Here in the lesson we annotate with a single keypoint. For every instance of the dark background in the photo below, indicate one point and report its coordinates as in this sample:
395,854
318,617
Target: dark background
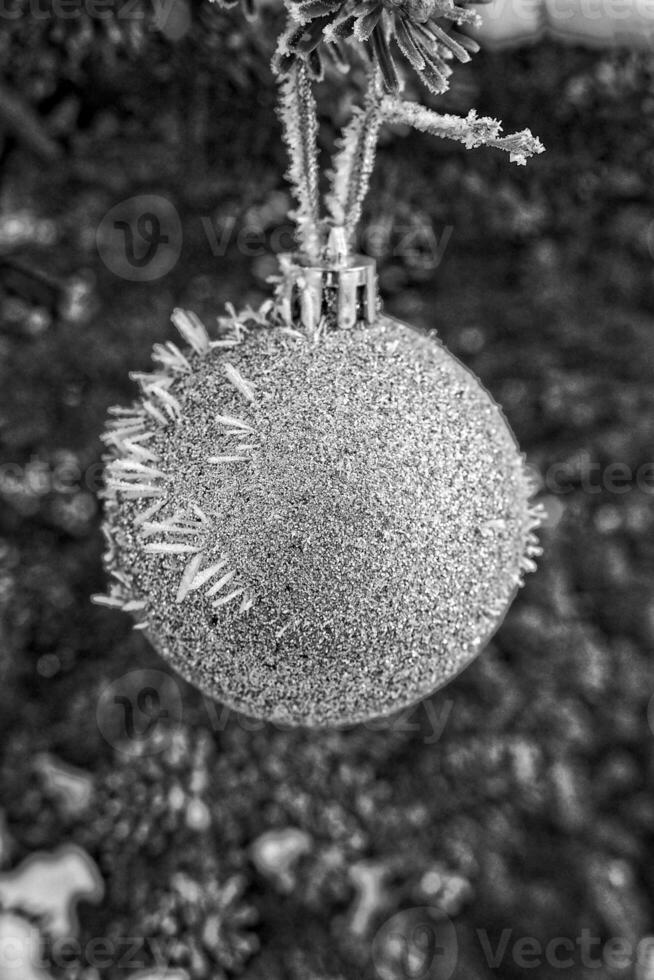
520,797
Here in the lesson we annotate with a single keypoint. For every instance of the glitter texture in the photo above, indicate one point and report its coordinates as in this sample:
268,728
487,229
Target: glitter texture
318,531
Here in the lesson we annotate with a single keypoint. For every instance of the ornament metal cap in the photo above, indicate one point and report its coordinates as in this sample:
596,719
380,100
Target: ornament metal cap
341,290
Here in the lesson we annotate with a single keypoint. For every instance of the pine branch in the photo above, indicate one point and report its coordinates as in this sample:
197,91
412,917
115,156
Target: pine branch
354,161
297,110
472,131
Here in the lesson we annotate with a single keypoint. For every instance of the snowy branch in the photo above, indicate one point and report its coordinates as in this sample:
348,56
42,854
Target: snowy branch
471,130
354,161
297,110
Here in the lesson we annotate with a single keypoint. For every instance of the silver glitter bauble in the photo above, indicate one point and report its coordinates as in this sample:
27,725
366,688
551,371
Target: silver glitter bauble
315,529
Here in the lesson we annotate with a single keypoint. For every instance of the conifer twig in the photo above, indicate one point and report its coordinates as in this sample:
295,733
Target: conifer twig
354,161
297,110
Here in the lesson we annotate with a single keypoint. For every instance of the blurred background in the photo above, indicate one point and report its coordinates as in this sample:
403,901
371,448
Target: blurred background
505,825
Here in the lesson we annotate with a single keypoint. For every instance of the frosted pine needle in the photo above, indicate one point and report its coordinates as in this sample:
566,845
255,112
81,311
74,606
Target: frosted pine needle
292,332
147,380
184,517
166,527
221,583
192,330
227,459
227,598
138,493
190,524
167,548
128,421
113,437
169,402
229,420
107,600
190,572
147,514
133,466
132,490
240,383
171,358
207,574
142,437
154,413
120,431
134,449
134,605
121,411
180,360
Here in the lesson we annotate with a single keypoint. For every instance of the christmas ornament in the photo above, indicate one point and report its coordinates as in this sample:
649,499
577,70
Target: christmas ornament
320,516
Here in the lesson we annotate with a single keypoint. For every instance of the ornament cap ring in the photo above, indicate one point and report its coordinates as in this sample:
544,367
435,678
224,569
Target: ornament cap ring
339,291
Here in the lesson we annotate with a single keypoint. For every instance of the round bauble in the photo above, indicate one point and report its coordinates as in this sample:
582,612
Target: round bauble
315,529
